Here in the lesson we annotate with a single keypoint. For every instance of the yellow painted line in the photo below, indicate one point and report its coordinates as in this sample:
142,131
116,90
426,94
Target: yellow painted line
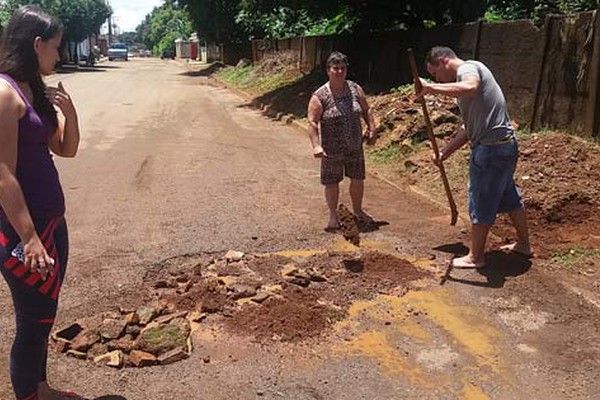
343,245
411,329
376,346
384,247
472,392
464,324
299,253
374,324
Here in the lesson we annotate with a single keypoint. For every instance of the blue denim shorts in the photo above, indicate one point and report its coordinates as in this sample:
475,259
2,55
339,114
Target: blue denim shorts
492,188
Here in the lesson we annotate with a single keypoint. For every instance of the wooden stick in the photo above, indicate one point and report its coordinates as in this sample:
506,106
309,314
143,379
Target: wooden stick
418,88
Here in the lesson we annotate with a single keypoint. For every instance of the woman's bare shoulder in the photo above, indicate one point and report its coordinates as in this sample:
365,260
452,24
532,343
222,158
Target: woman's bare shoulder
9,98
7,92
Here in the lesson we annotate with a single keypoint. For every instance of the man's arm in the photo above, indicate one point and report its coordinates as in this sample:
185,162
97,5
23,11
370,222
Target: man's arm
466,88
456,143
315,111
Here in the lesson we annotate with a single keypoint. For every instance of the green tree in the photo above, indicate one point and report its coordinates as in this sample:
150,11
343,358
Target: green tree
535,9
163,26
80,17
129,38
214,20
230,20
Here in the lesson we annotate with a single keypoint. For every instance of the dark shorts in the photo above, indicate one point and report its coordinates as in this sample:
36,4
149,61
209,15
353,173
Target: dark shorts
492,189
334,168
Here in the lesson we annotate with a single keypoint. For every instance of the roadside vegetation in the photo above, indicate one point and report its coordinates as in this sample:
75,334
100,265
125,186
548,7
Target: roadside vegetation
163,26
80,17
234,21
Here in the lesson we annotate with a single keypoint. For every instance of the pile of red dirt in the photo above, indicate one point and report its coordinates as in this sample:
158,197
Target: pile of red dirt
560,180
293,316
275,297
299,312
364,276
399,116
277,62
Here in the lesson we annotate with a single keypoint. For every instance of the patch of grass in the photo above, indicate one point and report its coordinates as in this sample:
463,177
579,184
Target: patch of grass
274,82
385,155
247,78
403,89
542,131
235,76
161,339
576,256
393,153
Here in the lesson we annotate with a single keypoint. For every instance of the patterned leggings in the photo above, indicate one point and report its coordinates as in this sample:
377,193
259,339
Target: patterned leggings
35,302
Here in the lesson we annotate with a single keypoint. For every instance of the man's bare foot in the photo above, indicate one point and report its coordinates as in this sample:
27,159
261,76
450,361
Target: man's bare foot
47,393
518,248
467,262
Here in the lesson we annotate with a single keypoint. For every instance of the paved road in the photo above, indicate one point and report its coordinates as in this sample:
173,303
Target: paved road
171,164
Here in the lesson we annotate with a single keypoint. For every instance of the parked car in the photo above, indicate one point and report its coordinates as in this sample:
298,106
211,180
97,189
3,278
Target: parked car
118,50
167,54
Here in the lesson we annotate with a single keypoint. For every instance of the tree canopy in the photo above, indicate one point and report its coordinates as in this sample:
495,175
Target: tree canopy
535,9
231,21
80,17
163,26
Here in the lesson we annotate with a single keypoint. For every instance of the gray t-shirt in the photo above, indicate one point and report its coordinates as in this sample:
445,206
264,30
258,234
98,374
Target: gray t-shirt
485,115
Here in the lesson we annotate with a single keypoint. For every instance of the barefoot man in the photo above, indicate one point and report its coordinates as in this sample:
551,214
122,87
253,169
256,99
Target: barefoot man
494,149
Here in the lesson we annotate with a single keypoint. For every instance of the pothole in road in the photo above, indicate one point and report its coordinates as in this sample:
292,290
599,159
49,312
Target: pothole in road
265,297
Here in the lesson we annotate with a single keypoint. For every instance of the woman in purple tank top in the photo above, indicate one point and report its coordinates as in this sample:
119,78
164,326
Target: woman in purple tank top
33,232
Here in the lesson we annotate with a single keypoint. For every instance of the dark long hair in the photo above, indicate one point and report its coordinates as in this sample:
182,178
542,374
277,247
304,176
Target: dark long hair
18,58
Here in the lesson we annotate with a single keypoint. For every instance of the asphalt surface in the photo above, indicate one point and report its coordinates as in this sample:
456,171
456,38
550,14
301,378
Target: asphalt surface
172,164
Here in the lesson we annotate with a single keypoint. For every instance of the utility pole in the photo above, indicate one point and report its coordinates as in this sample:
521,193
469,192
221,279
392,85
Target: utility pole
110,33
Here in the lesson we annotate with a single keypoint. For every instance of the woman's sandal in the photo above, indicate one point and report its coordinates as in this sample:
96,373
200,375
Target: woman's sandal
365,220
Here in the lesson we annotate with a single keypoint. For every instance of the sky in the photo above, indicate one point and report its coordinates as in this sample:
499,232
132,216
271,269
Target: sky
129,13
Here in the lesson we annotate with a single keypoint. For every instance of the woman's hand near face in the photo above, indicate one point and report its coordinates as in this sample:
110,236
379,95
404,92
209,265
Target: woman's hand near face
65,141
59,97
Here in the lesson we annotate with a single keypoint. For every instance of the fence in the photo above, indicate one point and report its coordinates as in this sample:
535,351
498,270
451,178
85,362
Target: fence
550,75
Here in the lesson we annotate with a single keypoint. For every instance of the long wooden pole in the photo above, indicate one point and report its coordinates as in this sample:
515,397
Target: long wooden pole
434,146
593,114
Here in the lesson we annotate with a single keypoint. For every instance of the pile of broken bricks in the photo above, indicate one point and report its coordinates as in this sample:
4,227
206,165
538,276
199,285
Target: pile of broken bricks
150,335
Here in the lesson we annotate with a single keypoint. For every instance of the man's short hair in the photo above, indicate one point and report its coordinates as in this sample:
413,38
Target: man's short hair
336,58
437,52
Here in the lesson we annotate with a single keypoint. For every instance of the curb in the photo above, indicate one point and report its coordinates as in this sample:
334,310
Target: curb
266,109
